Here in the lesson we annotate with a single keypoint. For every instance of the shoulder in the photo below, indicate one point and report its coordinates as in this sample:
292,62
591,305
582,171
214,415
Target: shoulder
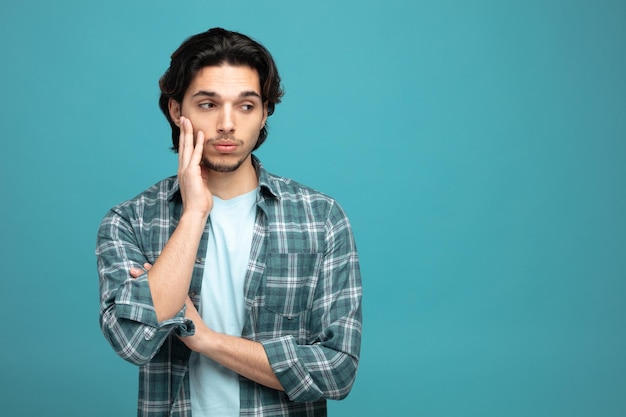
291,190
300,202
302,219
150,201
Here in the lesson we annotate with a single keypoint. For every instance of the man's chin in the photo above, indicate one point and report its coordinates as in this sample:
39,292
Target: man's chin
222,166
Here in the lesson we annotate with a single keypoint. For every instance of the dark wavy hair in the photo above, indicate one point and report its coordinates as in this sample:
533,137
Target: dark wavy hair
216,47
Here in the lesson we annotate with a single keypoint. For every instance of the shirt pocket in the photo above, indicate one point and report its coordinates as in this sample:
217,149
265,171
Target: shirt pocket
290,282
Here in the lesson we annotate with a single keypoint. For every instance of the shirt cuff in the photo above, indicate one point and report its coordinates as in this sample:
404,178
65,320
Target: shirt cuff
290,370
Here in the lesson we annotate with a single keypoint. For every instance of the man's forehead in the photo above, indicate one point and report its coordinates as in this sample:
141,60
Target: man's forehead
226,77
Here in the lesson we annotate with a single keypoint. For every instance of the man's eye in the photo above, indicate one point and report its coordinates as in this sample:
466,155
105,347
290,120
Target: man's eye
207,105
247,107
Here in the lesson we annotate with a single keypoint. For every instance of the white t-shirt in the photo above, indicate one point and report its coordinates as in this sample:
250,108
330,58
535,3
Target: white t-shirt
215,389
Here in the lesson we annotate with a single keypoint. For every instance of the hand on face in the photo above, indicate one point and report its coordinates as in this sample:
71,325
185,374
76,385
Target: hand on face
197,197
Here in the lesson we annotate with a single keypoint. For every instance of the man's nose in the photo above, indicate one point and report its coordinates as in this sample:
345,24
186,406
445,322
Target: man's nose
226,123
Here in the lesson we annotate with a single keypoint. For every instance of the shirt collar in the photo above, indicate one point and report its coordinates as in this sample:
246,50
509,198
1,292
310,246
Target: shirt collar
266,185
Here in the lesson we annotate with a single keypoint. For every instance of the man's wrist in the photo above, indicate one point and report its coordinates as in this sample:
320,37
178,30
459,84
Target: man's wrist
194,216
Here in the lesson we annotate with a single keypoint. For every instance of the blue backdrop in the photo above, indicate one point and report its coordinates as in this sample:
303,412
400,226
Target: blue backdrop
479,148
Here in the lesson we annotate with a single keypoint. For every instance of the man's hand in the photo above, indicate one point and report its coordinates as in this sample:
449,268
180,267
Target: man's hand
197,197
196,341
136,272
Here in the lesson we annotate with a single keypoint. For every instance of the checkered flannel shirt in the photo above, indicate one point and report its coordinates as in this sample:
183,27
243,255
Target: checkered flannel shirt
302,299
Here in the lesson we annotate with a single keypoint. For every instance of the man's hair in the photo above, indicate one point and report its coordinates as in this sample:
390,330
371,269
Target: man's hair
216,47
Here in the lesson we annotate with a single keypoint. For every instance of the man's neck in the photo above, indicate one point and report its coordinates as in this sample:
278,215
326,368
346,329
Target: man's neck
227,185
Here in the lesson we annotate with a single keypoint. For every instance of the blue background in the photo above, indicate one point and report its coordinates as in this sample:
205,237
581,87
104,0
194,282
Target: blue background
479,148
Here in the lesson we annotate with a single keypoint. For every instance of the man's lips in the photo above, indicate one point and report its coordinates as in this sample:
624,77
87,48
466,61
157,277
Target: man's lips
225,147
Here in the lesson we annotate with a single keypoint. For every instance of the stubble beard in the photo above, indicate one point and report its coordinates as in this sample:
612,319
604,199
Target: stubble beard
223,166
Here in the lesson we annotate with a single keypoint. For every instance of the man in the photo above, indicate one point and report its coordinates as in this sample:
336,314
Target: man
237,292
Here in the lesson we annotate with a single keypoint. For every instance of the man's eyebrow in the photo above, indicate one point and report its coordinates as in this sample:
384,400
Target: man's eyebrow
249,94
243,94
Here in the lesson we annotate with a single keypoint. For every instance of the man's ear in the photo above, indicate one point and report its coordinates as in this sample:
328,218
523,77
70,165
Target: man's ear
174,109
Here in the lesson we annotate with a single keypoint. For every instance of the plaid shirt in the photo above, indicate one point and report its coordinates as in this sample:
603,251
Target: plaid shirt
302,299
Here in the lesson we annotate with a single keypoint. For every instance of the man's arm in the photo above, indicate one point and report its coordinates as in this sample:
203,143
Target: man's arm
240,355
243,356
136,316
170,276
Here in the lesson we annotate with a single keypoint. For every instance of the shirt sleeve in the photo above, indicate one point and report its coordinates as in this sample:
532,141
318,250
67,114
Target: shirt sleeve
127,316
326,368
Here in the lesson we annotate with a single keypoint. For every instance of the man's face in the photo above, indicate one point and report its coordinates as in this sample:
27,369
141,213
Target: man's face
224,102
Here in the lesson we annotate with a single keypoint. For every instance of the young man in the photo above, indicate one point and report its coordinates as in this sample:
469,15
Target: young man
237,292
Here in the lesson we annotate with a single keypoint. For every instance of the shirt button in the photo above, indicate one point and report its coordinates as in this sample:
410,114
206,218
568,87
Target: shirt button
199,260
192,293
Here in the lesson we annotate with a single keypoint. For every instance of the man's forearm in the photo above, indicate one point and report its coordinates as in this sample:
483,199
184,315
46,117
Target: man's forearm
243,356
170,276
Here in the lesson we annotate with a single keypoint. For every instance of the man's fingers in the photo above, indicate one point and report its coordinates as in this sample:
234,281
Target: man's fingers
185,142
193,187
181,136
191,153
197,151
137,272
